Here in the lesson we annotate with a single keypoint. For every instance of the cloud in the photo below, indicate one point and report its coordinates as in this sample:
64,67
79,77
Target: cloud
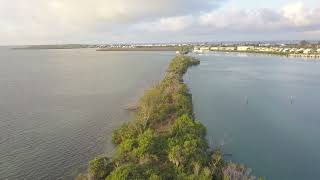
292,21
77,21
170,24
299,15
292,17
47,20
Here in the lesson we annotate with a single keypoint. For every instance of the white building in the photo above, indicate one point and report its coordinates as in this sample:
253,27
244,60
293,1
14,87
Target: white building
204,49
215,48
245,48
286,50
230,48
301,50
196,49
201,49
307,51
264,49
293,50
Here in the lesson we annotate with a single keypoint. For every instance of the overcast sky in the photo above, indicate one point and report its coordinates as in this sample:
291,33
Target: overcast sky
136,21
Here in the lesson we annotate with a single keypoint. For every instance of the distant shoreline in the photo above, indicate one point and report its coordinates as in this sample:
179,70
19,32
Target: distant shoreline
27,48
140,49
309,56
63,46
97,49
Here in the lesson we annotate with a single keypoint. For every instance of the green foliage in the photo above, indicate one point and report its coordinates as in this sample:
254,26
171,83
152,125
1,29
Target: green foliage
146,144
127,146
153,107
128,171
137,171
236,171
217,164
182,102
187,143
100,168
126,131
184,49
163,141
187,126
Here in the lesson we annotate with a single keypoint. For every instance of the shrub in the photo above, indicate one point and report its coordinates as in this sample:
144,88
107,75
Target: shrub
164,141
100,168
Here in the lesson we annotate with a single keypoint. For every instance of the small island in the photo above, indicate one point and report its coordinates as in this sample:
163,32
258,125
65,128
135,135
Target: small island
164,141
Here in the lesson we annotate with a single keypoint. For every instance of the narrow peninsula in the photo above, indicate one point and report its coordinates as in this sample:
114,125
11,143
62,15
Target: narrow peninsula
164,141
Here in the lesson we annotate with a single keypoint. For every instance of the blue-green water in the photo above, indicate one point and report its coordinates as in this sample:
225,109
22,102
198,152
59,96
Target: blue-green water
58,107
264,110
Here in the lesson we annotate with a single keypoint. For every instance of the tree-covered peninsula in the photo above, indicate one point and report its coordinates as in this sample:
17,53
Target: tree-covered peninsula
164,141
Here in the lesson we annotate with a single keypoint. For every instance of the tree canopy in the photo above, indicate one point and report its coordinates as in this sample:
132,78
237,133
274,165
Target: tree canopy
164,141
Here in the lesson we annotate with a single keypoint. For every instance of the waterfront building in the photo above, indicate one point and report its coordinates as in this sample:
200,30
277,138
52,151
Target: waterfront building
245,48
196,49
215,48
204,49
230,48
293,50
286,50
300,50
307,51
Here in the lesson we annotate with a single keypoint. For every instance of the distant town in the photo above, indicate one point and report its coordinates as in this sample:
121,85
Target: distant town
303,49
295,49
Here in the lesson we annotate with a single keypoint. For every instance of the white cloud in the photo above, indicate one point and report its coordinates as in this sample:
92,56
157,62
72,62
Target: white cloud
293,21
73,21
48,20
170,24
299,15
292,17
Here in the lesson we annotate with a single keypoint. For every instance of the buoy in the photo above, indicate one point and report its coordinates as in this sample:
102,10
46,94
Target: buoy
291,99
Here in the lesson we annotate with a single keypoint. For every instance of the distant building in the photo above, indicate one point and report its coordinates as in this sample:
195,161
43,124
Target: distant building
300,50
230,48
245,48
215,48
196,49
286,50
293,50
263,49
307,51
204,49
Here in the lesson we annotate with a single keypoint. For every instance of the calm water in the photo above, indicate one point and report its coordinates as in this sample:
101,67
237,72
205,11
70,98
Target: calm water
265,110
59,107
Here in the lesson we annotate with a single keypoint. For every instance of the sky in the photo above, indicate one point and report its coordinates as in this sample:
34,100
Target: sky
150,21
